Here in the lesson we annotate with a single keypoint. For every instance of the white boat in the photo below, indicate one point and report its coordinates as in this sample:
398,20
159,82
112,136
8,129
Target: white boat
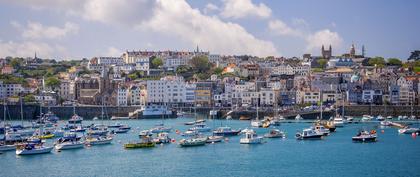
30,149
69,141
200,128
413,117
162,138
408,130
366,118
298,117
250,137
199,141
157,111
321,130
400,117
256,123
160,129
4,147
386,123
380,118
389,117
308,134
145,133
275,133
75,119
98,140
365,136
214,139
338,121
349,119
119,118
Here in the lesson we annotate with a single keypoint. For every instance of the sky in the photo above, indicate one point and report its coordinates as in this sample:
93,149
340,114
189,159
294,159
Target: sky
75,29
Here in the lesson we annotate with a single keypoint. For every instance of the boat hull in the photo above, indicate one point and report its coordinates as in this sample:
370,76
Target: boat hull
139,145
69,146
367,139
34,151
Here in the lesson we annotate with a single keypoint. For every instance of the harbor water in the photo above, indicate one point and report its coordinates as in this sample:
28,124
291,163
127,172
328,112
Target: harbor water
335,155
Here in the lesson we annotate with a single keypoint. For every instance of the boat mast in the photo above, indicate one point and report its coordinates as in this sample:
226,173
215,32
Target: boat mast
21,109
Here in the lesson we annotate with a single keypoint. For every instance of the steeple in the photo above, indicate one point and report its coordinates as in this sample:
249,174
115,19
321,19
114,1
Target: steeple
363,50
35,55
197,50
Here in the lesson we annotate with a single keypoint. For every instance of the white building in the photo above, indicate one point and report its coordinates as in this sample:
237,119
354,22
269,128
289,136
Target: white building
312,97
143,64
170,89
122,96
8,90
174,62
267,97
107,61
67,89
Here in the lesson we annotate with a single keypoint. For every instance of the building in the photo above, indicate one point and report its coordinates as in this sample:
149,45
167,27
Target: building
107,61
7,69
170,89
8,90
122,96
326,53
67,90
204,93
312,97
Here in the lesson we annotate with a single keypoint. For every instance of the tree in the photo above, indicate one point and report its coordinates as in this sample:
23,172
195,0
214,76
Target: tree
377,61
394,62
15,63
29,98
155,62
322,62
52,82
218,71
182,69
200,63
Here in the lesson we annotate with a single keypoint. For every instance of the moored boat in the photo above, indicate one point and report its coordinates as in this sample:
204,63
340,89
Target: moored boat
408,130
195,141
69,141
98,140
214,139
275,133
308,134
251,137
31,149
365,136
226,131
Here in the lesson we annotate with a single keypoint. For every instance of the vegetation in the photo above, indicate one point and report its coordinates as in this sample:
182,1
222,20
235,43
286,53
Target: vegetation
218,71
29,98
200,63
317,70
394,62
11,79
52,82
377,61
322,62
136,75
156,62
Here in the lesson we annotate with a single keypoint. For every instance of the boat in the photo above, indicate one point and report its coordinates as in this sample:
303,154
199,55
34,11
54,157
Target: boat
321,130
146,141
98,140
50,117
366,118
327,124
389,117
157,111
189,123
97,132
250,137
276,121
145,133
119,118
116,125
69,141
412,117
160,129
408,130
349,119
226,131
162,138
201,127
122,129
298,117
380,118
386,123
308,134
214,139
31,149
338,121
7,147
195,141
78,129
75,119
275,133
365,136
256,123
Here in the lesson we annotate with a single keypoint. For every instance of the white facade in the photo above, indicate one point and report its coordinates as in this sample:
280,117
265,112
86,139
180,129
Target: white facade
107,61
122,96
8,90
67,89
312,97
170,89
174,62
142,64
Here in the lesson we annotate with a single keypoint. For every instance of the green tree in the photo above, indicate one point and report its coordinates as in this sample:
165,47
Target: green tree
322,62
200,63
182,69
156,62
133,76
52,82
29,98
218,71
394,62
15,63
377,61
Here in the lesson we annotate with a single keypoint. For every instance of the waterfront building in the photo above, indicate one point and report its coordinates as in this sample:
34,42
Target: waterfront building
122,95
67,89
312,97
9,89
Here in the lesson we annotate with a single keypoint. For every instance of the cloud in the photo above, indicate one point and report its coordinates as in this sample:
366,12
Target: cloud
210,8
112,51
323,37
35,30
278,27
244,8
175,17
28,48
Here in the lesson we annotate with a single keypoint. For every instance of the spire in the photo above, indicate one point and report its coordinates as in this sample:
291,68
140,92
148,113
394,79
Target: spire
330,48
363,50
35,55
198,49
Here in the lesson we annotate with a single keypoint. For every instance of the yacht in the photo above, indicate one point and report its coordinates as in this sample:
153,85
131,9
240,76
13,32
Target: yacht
30,149
123,129
338,121
366,118
256,123
226,131
162,138
196,141
50,117
69,141
214,139
250,137
275,133
75,119
308,134
98,140
365,136
160,129
380,118
386,123
201,127
298,117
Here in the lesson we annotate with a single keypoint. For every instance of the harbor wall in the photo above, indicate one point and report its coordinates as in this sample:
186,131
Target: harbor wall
360,110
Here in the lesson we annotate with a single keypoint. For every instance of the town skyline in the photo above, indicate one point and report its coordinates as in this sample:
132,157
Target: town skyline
85,29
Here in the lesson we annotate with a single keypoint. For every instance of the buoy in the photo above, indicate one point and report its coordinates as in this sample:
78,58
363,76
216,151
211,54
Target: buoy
226,139
173,140
413,134
382,131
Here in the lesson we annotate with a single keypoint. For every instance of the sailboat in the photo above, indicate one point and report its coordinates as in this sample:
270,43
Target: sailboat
69,141
226,130
99,130
214,138
257,122
338,119
159,128
30,149
75,119
4,145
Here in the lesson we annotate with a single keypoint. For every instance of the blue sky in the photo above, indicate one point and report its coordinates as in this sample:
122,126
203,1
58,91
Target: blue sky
72,29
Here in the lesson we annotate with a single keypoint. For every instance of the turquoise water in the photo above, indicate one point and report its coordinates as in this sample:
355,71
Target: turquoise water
336,155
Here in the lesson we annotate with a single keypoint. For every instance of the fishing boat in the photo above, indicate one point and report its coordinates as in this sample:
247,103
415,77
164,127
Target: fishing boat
321,130
162,138
380,118
275,133
98,140
201,127
69,141
251,137
30,149
408,130
308,134
195,141
365,136
226,131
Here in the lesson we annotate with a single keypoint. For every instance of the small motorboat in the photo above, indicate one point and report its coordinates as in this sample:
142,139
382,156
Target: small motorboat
98,140
145,133
308,134
338,121
365,136
386,123
200,127
367,118
380,118
119,118
321,130
78,129
122,129
389,117
190,133
189,123
275,133
116,125
162,138
30,149
160,129
69,141
226,131
200,121
6,147
197,141
408,130
349,119
298,117
251,137
413,117
256,123
75,119
214,139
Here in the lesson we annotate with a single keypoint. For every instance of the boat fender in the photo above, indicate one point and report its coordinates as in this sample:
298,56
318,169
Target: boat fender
227,139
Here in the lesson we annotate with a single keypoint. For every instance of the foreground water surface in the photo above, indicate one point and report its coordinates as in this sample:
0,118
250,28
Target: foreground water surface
335,155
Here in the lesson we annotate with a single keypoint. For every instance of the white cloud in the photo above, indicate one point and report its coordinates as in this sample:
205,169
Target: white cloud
112,51
27,48
210,8
278,27
244,8
35,30
177,18
323,37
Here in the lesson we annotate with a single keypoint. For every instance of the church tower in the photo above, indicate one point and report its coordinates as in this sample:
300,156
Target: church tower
326,53
352,51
